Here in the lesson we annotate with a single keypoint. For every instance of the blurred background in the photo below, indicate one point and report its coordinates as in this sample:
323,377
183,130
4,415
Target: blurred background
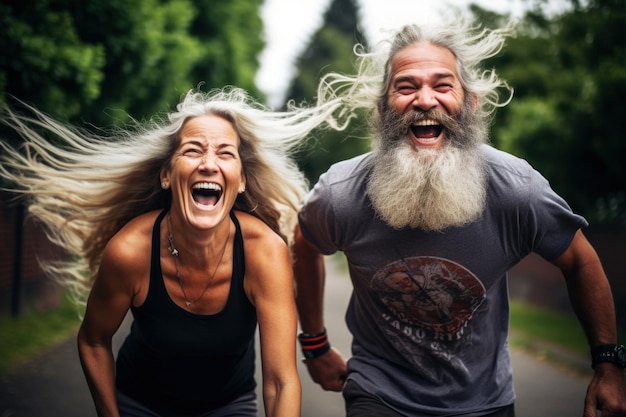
96,64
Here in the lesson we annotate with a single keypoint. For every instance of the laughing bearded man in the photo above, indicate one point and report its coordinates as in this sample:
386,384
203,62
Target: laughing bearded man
430,222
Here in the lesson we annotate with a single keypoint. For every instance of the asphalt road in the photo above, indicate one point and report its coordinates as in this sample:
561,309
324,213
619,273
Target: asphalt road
53,385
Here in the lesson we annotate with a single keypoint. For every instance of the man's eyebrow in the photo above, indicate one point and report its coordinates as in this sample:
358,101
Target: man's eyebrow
437,75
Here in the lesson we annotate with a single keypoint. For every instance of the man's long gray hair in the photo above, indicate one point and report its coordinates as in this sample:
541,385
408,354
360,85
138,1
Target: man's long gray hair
464,37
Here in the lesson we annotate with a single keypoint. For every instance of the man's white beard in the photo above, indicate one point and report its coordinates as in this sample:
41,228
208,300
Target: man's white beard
430,190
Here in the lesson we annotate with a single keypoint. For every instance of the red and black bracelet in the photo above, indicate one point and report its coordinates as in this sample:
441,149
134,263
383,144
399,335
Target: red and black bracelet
314,345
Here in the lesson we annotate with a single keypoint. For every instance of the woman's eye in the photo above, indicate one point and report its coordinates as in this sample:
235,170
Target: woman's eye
192,152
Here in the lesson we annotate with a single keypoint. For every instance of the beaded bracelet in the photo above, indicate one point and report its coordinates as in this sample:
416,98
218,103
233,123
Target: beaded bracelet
315,345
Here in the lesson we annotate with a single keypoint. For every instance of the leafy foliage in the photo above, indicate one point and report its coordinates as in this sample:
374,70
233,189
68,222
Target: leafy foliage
43,57
330,50
95,60
229,32
567,114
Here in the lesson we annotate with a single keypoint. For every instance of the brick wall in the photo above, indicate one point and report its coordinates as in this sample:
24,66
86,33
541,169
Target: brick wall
34,289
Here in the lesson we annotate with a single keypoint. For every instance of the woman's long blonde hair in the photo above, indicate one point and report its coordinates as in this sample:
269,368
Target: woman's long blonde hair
84,187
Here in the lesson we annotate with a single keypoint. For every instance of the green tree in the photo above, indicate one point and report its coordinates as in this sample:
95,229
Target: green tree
97,61
330,50
229,32
43,58
149,54
567,115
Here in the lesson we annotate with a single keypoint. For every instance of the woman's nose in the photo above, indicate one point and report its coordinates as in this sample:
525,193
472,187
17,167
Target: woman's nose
208,162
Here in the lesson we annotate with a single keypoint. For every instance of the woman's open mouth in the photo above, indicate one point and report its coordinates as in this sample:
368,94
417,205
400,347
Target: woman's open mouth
206,193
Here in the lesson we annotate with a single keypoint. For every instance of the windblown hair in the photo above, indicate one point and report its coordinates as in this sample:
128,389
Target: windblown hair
84,187
470,44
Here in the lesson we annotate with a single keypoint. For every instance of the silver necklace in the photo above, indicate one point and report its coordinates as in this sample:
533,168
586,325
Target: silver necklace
175,254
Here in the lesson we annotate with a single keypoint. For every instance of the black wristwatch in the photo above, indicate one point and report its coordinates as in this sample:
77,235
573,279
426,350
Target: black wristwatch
608,353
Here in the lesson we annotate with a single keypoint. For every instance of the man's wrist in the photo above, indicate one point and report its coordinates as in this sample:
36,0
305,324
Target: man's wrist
609,353
314,345
309,335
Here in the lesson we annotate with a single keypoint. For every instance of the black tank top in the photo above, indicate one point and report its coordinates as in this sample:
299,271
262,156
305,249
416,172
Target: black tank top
179,363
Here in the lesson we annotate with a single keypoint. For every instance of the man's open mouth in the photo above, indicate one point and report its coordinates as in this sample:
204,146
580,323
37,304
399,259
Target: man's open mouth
426,129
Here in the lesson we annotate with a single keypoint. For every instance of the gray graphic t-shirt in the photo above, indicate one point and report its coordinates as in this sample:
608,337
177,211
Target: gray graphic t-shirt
429,313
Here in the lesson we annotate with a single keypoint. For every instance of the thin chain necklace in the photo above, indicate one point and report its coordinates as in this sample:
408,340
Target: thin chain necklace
175,253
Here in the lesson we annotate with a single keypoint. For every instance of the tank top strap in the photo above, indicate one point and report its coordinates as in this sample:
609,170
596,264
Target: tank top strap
155,256
239,262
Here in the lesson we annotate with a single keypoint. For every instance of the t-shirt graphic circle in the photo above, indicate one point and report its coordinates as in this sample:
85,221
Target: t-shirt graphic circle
432,293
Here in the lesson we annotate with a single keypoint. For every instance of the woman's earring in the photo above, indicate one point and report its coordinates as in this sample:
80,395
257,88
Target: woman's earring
163,185
243,190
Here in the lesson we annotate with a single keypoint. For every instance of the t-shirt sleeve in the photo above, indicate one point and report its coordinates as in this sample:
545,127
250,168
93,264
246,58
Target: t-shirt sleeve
317,218
550,222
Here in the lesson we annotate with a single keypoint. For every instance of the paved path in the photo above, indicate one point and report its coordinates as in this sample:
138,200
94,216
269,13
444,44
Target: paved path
53,385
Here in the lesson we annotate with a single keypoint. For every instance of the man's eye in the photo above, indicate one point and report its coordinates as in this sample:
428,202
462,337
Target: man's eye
405,89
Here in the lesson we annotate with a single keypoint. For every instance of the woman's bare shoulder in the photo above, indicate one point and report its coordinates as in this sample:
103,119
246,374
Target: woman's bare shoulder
254,228
131,245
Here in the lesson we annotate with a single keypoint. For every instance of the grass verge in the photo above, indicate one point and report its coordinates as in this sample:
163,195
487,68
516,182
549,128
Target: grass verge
32,332
532,323
554,336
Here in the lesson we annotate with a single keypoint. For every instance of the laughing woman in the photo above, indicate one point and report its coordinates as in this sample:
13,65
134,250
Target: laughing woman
186,223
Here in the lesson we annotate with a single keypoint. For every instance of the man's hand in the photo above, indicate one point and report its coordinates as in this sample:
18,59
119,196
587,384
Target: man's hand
328,370
606,392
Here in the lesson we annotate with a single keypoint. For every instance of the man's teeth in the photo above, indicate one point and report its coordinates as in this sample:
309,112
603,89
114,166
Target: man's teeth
426,122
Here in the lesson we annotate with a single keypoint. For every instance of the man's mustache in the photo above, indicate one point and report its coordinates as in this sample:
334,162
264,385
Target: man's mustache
451,123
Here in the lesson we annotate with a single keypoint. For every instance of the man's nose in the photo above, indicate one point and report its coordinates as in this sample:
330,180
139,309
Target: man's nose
424,99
